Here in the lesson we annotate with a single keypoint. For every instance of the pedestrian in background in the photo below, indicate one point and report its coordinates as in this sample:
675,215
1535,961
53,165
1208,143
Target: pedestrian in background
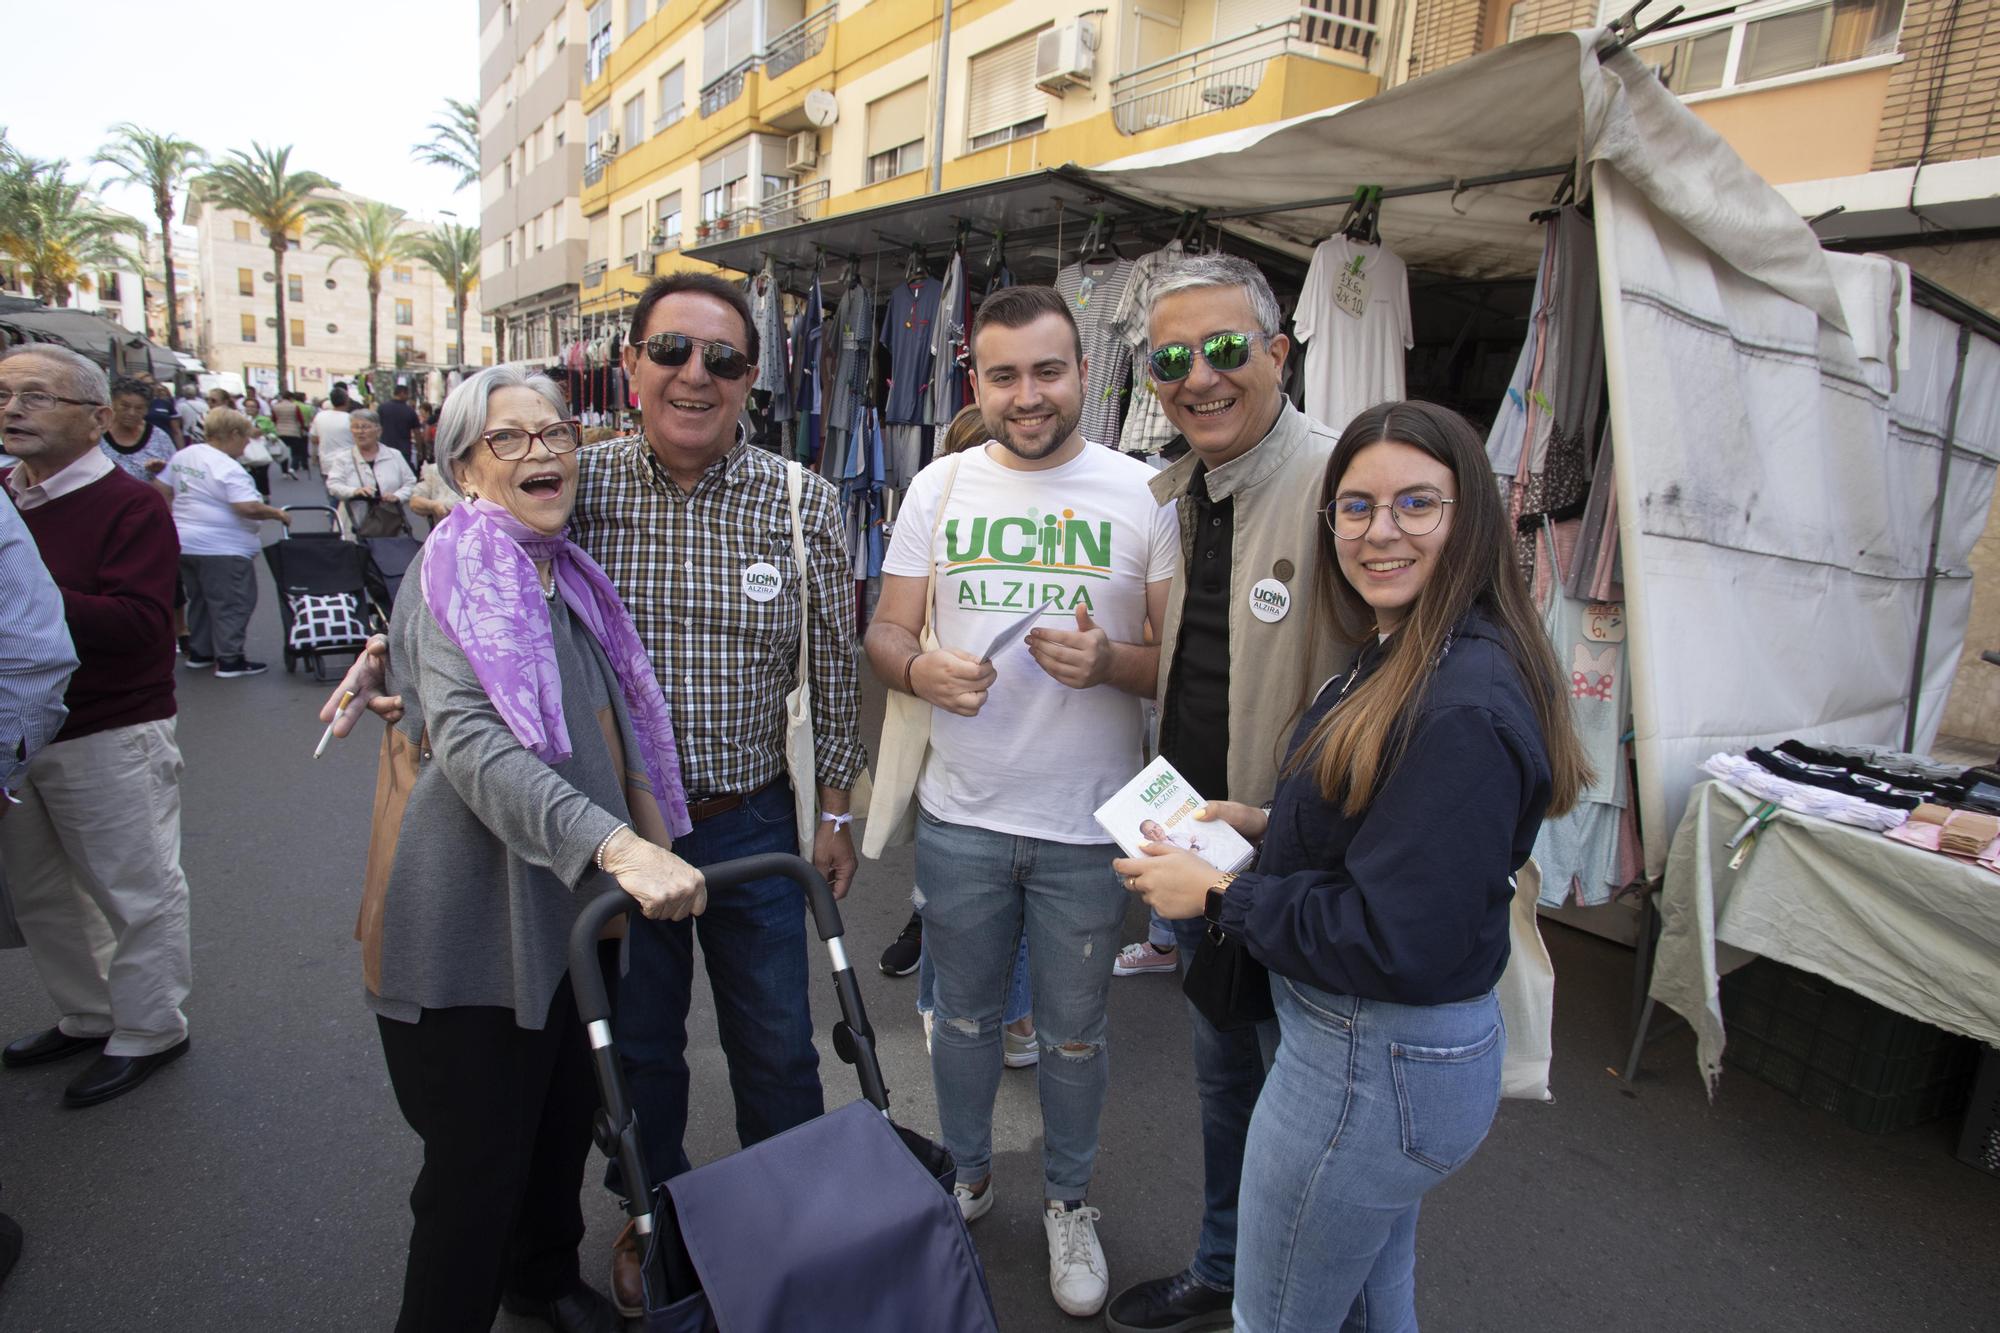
92,853
330,431
289,419
216,513
372,482
506,662
1385,939
190,412
140,448
400,423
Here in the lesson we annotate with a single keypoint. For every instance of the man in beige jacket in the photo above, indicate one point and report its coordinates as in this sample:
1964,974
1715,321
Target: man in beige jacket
1245,644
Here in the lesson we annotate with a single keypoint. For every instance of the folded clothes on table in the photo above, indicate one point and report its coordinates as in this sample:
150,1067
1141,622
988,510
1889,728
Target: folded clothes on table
1738,771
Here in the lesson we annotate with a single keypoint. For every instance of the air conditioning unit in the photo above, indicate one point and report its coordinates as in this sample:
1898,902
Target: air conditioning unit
1066,56
607,144
802,151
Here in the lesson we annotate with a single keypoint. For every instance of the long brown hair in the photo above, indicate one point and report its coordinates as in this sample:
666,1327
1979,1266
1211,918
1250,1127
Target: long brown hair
1357,744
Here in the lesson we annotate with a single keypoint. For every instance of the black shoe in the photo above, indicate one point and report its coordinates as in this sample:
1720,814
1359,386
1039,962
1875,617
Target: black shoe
231,667
901,958
115,1075
47,1047
1177,1304
581,1309
197,663
181,646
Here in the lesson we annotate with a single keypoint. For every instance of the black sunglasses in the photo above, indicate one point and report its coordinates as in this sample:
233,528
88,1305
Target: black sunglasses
718,359
1223,351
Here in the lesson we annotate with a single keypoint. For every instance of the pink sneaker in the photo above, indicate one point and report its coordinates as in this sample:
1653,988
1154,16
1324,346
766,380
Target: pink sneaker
1136,960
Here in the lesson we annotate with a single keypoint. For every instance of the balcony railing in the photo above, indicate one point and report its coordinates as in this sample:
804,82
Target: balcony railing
593,167
726,89
785,209
594,271
798,43
1228,73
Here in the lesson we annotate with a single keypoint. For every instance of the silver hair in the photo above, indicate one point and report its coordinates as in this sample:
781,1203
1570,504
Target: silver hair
367,414
1199,271
462,420
86,377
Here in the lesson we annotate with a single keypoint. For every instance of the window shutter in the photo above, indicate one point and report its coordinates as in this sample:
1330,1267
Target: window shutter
734,164
1001,90
898,118
715,46
673,90
1784,45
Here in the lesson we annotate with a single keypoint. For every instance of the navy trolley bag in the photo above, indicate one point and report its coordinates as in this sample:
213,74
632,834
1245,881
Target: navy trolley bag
845,1222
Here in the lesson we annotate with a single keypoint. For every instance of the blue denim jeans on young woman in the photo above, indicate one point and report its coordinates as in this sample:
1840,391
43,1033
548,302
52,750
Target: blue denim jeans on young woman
753,940
1367,1106
982,890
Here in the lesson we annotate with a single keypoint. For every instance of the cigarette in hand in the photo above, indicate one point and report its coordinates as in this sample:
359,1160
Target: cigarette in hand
346,697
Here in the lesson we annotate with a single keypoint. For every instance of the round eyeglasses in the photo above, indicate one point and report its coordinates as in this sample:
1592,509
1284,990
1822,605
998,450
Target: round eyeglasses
511,445
1417,513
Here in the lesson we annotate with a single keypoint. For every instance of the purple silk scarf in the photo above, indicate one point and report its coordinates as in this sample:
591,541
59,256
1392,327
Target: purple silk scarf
479,582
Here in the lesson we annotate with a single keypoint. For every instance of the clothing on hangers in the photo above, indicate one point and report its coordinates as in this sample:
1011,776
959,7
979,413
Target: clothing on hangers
1095,289
1354,317
948,389
1146,429
906,328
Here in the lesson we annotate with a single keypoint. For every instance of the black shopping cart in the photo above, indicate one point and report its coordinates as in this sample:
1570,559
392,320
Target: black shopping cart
847,1221
323,602
389,558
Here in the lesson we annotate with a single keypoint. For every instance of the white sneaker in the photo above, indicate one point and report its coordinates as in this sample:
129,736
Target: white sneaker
1078,1276
1019,1051
1136,960
972,1206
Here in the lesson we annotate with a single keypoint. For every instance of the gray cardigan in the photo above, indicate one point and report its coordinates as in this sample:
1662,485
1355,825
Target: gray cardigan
495,856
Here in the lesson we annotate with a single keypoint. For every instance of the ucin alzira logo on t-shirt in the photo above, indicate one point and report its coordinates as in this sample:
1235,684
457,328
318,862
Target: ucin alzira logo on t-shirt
997,559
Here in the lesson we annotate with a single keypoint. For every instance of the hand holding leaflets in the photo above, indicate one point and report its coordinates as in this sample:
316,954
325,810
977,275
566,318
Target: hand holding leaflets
1078,658
1175,842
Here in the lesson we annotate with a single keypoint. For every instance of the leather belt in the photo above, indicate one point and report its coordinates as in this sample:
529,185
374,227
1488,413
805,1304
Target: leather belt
712,806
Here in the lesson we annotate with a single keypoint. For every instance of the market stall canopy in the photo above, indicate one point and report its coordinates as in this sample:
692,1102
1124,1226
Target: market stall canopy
1466,156
105,341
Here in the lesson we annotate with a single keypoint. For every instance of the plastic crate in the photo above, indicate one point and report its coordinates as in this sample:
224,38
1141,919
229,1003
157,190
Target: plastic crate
1979,1142
1810,1039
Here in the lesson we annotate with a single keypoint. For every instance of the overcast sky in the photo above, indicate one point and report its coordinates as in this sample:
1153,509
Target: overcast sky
350,85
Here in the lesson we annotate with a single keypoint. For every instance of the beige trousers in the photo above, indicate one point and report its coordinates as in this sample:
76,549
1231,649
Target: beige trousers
93,864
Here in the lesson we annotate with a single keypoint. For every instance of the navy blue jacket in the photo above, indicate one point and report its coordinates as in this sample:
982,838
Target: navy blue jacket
1408,901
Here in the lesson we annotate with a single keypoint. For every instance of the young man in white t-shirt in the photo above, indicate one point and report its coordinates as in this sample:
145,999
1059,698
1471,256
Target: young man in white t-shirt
1025,747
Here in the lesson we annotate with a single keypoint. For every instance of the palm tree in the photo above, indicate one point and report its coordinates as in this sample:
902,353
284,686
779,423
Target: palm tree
452,252
454,142
159,163
262,184
55,229
370,234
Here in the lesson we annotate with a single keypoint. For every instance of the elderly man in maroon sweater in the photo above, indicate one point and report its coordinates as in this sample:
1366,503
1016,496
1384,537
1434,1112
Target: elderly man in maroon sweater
92,850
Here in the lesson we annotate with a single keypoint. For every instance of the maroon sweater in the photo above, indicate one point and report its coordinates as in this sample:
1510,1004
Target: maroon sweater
112,549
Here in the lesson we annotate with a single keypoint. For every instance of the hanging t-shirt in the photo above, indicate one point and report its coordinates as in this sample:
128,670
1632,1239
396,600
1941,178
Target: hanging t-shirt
1094,292
1146,429
1354,318
906,327
206,483
948,335
1040,756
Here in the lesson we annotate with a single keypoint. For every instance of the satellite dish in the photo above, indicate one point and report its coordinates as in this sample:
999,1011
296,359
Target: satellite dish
333,328
822,108
270,277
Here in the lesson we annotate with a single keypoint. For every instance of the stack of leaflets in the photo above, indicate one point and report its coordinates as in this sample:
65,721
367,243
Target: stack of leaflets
1159,806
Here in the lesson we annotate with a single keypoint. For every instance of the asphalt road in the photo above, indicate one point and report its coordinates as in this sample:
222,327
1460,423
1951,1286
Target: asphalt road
261,1183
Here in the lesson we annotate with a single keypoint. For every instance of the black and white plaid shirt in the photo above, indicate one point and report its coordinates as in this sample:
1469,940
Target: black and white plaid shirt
725,660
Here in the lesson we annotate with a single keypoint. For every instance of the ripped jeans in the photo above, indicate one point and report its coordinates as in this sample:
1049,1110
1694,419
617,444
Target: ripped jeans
982,891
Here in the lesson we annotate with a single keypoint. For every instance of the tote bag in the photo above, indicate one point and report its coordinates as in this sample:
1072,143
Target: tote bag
1527,993
800,764
906,726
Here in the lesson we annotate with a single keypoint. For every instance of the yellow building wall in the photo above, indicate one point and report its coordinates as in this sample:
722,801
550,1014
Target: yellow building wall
1814,130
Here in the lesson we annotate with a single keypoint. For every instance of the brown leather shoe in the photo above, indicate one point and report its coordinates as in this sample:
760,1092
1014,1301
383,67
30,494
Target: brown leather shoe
628,1288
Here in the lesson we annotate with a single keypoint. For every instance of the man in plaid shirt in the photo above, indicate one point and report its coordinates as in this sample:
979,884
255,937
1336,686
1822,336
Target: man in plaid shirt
694,527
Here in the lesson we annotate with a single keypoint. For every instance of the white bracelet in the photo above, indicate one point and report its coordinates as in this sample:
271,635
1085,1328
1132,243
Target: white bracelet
598,858
839,822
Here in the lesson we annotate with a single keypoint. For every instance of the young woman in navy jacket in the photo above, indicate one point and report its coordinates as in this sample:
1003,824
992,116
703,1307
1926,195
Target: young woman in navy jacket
1379,901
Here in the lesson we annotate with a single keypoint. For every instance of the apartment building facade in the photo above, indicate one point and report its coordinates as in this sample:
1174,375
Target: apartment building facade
531,158
117,294
704,120
326,308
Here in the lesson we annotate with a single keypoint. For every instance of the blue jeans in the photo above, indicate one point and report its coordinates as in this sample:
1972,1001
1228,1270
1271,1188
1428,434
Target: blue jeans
1019,1003
1368,1105
982,891
1228,1075
753,940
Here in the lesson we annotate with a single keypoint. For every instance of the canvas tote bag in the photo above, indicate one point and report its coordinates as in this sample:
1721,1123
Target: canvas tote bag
906,726
800,764
1527,993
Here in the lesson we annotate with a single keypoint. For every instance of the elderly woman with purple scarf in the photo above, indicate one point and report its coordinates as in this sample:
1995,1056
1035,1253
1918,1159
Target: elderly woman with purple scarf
536,760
